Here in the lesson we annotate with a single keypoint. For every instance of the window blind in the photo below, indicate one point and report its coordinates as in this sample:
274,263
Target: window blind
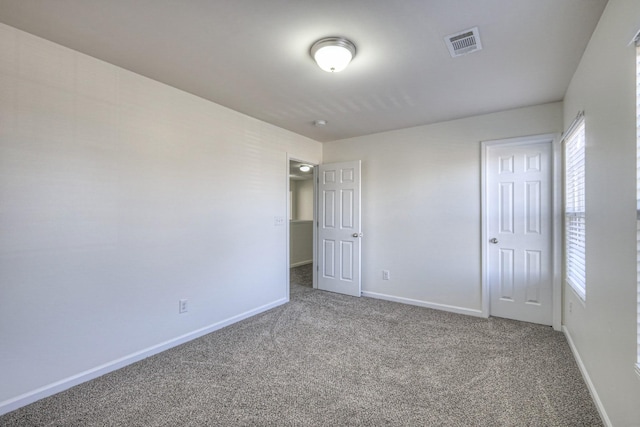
638,194
575,206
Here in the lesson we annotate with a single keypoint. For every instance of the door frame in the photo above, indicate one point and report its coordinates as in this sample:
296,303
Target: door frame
288,223
556,219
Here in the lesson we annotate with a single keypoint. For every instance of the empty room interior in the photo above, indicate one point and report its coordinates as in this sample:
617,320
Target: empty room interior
173,171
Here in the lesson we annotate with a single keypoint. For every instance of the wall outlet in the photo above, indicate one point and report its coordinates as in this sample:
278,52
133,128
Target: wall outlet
183,306
386,275
570,306
278,221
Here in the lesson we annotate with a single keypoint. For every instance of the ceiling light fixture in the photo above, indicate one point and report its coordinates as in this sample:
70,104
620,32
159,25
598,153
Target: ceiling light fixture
305,168
333,54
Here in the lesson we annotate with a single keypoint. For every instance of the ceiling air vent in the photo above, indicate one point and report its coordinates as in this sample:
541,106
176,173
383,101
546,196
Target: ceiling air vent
464,42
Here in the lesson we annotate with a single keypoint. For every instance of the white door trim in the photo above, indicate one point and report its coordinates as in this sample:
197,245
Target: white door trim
556,223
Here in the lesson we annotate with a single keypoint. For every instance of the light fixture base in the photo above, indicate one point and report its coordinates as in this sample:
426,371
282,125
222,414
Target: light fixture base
333,54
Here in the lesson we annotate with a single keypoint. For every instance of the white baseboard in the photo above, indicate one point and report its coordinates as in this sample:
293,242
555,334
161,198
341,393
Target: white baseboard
64,384
585,375
420,303
300,263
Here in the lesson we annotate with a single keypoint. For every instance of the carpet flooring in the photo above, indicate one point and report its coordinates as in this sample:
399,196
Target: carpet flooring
302,275
331,360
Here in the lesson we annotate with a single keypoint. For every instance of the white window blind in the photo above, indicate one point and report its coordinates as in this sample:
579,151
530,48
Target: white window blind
575,206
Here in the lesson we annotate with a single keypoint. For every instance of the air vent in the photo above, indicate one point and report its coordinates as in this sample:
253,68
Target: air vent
464,42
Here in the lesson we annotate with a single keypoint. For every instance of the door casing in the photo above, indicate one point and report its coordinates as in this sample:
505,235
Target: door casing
556,216
315,219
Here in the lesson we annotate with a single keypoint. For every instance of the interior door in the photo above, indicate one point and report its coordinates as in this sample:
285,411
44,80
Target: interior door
519,254
339,231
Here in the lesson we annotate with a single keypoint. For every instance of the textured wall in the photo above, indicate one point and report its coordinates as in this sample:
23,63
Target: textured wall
421,204
118,197
304,199
603,328
300,242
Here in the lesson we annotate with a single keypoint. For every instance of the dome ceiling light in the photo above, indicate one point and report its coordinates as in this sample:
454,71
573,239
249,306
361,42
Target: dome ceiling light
333,54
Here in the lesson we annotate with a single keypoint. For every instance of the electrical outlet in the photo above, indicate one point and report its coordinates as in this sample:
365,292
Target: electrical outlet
278,221
570,306
183,306
386,275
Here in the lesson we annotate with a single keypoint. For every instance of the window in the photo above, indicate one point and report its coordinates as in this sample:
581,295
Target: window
574,206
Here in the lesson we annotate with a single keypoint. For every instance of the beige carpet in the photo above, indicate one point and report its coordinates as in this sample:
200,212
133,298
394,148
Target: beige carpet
331,360
302,275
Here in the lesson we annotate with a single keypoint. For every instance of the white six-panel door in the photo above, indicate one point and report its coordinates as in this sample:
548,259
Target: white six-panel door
339,232
519,233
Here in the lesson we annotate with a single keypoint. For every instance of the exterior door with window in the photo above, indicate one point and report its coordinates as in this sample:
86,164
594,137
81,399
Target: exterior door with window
519,231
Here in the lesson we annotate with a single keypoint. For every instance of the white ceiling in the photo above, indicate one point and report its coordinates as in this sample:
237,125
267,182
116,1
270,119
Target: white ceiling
253,55
296,174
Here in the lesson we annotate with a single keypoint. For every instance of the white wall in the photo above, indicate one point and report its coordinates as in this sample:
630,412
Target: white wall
300,243
301,199
304,200
301,228
421,204
292,202
118,197
603,329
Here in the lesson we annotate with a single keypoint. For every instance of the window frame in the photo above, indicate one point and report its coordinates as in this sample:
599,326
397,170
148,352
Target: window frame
637,47
574,204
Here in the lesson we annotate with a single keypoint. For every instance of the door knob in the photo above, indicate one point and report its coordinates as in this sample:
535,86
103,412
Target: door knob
494,241
356,234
